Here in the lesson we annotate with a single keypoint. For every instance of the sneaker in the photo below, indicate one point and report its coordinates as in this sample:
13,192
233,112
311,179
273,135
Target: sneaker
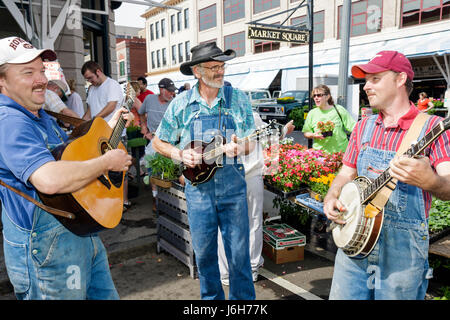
225,281
255,275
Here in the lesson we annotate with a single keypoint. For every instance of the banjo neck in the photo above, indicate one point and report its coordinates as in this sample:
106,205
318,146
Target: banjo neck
414,150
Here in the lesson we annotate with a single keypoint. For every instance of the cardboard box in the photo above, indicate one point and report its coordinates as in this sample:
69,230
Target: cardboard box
288,254
283,243
282,236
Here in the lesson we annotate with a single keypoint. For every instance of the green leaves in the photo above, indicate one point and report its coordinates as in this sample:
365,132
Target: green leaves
439,215
162,167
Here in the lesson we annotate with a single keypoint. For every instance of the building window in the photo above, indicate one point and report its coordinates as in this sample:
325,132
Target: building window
164,57
187,50
366,17
264,5
207,18
174,54
152,35
236,42
186,18
158,58
319,25
180,52
163,28
233,10
153,60
157,29
264,46
416,12
172,23
179,21
121,68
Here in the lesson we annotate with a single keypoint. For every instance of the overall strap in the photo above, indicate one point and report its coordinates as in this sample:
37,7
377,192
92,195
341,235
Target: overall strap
369,129
382,197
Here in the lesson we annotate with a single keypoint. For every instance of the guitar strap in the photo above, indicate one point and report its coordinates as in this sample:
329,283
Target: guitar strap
379,201
44,207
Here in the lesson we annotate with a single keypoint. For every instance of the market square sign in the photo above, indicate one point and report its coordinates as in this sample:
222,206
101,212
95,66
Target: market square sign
273,34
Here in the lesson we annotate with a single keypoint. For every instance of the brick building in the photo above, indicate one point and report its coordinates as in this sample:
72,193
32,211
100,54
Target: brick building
131,59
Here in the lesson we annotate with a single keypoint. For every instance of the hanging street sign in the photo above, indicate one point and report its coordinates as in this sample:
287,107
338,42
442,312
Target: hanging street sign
272,34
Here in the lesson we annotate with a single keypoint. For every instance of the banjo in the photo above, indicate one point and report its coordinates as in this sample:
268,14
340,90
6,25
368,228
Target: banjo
363,219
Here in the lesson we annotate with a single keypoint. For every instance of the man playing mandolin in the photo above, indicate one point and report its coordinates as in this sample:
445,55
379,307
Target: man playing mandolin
397,265
45,260
206,112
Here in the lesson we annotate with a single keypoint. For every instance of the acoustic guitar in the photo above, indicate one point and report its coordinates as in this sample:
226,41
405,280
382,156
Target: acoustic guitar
212,153
99,204
359,235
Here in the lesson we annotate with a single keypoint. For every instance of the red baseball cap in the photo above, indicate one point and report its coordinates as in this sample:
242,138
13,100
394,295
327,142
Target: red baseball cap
383,61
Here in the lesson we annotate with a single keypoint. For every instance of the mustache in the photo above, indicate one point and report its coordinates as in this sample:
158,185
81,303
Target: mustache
40,86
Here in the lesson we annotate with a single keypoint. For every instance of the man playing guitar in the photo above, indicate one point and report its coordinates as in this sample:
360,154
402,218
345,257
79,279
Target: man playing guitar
397,267
45,260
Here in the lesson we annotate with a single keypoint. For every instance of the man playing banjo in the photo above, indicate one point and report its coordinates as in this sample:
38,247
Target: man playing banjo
397,265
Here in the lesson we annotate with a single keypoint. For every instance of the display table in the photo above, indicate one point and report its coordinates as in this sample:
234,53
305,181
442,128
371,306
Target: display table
309,203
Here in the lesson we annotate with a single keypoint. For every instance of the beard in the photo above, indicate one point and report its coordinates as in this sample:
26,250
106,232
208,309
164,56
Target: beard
214,81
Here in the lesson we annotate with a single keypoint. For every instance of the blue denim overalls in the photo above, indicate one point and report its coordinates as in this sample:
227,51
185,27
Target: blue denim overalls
220,202
49,261
397,268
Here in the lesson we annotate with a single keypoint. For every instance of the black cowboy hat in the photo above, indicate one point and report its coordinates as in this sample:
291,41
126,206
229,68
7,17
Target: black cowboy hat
206,52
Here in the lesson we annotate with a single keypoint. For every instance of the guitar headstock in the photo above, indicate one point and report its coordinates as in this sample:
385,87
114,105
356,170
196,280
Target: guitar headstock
130,95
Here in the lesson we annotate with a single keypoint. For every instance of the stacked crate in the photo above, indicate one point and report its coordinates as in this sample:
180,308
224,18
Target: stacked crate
173,226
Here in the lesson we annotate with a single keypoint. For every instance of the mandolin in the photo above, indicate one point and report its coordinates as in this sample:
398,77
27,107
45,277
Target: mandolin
99,204
212,153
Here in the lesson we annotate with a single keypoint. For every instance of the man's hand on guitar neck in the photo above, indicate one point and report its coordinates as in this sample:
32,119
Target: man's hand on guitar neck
128,116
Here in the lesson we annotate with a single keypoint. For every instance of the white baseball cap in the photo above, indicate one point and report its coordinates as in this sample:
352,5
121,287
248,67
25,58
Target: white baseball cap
16,50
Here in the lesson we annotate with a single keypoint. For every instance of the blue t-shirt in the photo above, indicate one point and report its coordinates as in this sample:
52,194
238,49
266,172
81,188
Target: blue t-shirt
25,139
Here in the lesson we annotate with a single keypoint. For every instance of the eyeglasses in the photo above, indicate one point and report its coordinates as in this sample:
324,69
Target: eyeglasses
318,95
216,68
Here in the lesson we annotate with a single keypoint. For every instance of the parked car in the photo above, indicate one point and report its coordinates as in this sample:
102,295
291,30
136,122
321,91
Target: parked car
258,96
280,108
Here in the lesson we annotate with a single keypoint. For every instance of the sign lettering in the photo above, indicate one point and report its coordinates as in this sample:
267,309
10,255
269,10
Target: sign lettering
271,34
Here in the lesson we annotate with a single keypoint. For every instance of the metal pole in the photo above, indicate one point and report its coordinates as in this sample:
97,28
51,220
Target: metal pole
343,64
311,60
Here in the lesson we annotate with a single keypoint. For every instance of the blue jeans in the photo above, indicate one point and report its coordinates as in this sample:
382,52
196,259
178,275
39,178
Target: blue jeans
221,202
50,262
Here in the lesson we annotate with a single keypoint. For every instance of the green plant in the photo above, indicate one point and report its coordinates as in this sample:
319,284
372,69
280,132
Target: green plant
297,114
439,215
289,210
445,291
162,167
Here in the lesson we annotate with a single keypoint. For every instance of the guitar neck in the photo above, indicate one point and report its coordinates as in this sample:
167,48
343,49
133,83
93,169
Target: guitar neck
414,150
116,136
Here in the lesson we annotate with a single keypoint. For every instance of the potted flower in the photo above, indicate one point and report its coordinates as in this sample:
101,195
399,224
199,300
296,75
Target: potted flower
319,186
326,128
163,170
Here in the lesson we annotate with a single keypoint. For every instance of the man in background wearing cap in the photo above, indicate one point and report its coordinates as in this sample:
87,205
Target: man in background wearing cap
151,113
54,96
397,268
207,110
44,260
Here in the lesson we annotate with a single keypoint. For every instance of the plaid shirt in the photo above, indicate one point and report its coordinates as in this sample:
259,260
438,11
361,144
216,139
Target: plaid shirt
390,138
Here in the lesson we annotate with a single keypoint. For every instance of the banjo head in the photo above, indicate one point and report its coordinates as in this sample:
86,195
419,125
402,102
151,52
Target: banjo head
351,198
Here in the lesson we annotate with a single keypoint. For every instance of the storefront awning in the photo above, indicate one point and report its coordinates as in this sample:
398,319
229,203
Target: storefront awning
258,80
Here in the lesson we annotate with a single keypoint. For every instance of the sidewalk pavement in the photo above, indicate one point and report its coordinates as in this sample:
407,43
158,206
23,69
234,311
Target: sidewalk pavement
141,273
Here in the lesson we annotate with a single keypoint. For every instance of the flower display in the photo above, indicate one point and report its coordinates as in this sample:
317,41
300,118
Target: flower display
325,126
290,167
321,184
